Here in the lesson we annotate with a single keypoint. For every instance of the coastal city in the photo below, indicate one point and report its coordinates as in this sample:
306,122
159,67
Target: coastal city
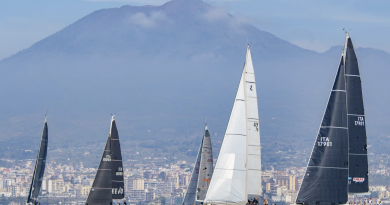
217,102
153,181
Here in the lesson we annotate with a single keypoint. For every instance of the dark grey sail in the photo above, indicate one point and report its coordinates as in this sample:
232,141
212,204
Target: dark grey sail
100,193
206,167
118,191
358,161
326,176
39,169
189,198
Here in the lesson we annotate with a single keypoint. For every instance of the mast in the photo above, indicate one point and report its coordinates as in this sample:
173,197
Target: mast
117,180
189,198
246,126
206,167
326,177
358,160
101,190
40,164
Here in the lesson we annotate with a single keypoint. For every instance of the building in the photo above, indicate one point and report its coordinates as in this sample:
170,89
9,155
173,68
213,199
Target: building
291,183
84,191
56,186
136,184
137,195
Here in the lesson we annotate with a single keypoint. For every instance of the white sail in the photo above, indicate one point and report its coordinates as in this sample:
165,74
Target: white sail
239,159
228,184
254,154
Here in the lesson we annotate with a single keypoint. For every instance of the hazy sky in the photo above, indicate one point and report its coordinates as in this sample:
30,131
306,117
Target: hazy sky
311,24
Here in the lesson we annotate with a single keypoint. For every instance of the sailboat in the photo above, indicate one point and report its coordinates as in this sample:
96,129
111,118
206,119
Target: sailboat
108,184
338,164
39,169
202,172
237,173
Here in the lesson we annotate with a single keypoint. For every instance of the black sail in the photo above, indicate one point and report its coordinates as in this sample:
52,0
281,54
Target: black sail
39,166
326,177
100,193
358,161
118,191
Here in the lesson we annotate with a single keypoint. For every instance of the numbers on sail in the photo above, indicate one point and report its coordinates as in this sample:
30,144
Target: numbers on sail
107,158
117,190
360,121
324,142
119,172
250,88
256,125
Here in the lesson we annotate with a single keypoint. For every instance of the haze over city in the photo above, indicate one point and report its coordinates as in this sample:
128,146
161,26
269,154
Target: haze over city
166,69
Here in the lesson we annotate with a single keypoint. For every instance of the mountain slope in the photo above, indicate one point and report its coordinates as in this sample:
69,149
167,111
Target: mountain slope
162,70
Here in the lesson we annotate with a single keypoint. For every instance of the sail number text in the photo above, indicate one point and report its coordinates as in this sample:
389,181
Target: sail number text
324,142
117,190
119,172
360,121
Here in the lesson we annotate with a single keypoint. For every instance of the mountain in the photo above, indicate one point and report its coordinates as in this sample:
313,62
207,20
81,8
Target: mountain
162,70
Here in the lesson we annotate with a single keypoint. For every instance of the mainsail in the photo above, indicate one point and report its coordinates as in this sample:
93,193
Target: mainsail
189,198
253,130
101,190
358,161
239,158
206,167
39,169
338,163
118,191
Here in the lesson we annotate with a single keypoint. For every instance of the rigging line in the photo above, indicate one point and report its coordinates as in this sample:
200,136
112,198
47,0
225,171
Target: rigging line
334,127
338,90
355,115
328,167
352,75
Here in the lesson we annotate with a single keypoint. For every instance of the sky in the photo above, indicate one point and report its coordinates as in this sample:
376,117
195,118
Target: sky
315,25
